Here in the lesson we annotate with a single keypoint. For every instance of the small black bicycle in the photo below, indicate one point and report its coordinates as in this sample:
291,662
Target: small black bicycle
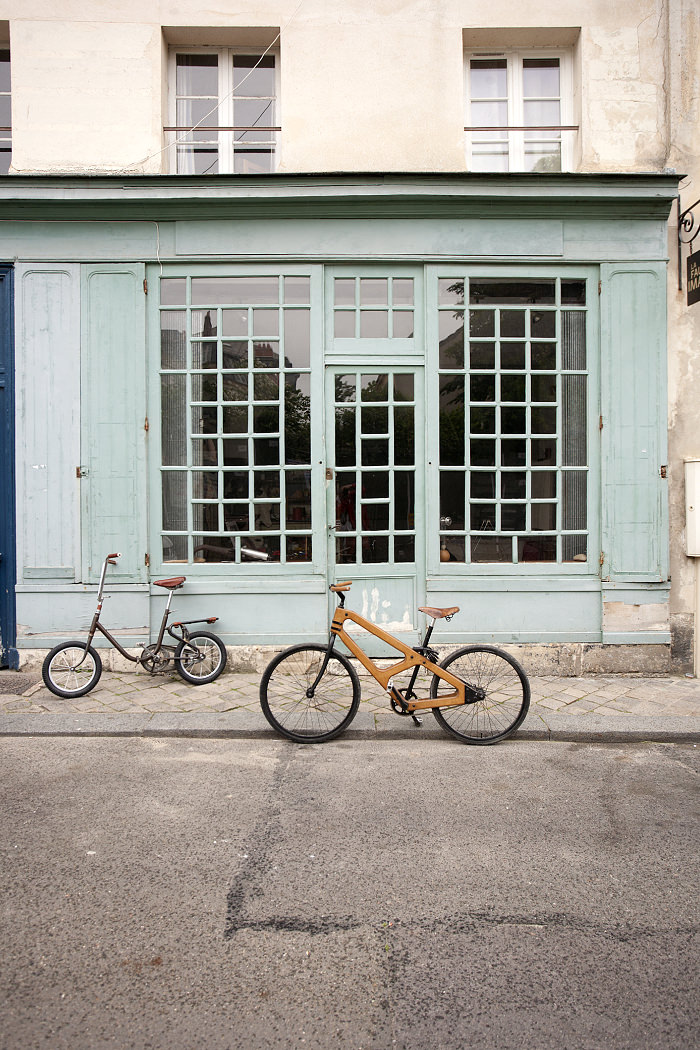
74,668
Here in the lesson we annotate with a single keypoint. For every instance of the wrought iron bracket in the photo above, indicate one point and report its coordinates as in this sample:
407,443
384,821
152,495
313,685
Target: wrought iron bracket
686,224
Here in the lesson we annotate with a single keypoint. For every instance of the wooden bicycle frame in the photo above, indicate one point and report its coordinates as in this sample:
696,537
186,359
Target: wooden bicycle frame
411,660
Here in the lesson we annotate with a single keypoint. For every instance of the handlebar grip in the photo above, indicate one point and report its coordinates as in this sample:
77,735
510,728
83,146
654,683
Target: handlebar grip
110,556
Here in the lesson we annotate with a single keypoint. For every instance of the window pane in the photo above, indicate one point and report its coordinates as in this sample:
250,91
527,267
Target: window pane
197,75
227,290
451,337
297,289
173,339
374,291
254,76
541,77
374,324
488,78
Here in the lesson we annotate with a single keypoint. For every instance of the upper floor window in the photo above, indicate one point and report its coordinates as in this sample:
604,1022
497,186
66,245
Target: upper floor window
5,113
519,111
223,111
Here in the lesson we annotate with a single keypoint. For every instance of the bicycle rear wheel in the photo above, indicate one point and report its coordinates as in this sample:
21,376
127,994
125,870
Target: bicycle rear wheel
200,658
288,707
505,701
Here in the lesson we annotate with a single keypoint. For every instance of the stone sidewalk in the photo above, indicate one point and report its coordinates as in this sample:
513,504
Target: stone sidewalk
130,702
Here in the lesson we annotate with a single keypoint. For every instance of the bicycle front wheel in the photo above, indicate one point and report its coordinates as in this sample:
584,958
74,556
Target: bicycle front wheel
506,695
70,671
285,700
200,658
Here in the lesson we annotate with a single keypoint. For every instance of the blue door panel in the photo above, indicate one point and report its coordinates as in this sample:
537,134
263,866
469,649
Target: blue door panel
8,652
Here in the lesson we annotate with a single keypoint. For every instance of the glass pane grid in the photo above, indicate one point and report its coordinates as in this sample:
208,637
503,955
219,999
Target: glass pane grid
236,441
373,307
375,467
513,460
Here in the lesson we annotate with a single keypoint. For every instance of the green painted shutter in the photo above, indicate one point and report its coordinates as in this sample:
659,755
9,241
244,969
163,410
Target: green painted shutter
113,435
633,393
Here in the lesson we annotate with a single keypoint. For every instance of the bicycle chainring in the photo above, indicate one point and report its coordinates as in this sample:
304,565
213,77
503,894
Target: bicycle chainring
157,660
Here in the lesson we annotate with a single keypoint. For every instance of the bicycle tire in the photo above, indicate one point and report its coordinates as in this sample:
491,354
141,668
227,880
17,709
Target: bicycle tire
61,675
504,706
304,719
205,667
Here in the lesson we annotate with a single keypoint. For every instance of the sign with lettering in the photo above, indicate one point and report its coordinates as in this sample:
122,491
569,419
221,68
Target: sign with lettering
694,278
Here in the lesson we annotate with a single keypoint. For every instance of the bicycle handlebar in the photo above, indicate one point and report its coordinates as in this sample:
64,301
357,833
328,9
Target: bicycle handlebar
111,558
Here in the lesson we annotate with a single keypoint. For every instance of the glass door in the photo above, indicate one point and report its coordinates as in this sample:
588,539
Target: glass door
375,488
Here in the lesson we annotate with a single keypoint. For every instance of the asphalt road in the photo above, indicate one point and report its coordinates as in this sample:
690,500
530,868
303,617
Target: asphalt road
360,894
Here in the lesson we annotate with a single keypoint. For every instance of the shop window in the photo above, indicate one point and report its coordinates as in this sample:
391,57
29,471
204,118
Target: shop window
519,108
223,111
236,419
513,404
5,113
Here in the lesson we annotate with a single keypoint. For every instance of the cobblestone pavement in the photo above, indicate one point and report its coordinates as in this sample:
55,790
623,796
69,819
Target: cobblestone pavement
139,693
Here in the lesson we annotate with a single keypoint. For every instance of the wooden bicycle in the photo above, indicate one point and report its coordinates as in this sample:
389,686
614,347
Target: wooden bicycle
310,693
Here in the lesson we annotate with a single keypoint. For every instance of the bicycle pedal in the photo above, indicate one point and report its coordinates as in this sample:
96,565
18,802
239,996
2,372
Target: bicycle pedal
417,720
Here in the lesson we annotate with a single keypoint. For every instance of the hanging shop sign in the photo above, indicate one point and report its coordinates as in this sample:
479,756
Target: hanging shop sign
693,273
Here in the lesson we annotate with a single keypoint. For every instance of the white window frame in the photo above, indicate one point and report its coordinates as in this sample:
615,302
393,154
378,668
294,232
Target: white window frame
225,57
514,77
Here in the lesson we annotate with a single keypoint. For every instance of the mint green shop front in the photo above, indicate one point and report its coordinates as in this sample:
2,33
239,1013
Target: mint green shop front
449,389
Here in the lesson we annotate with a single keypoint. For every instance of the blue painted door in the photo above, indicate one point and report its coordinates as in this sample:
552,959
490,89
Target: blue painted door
8,652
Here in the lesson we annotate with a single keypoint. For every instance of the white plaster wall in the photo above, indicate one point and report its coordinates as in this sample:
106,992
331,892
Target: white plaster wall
366,84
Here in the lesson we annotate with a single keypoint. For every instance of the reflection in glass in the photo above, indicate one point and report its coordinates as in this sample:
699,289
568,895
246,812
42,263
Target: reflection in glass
404,435
345,436
374,387
451,339
450,291
345,388
374,324
226,291
298,499
402,291
513,355
235,452
374,420
297,289
402,324
266,450
173,291
234,323
235,420
266,483
374,291
173,339
235,484
235,387
344,324
297,338
344,291
234,355
175,500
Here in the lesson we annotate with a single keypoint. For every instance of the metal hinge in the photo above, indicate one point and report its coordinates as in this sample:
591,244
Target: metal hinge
146,560
81,472
600,422
602,558
600,287
146,424
145,286
663,471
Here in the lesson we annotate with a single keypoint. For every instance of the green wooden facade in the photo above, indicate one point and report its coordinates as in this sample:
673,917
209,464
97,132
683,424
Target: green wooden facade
519,313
